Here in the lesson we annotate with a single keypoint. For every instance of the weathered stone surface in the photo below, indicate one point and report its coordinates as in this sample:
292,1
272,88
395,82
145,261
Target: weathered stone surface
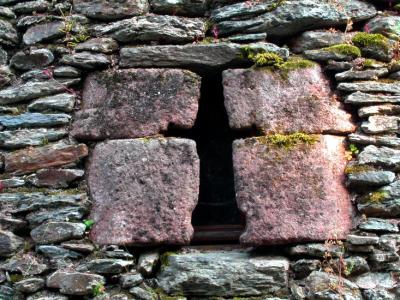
3,57
83,246
28,120
153,28
142,292
55,178
388,140
73,213
62,102
316,250
381,294
247,38
27,7
36,75
359,98
370,86
289,17
190,8
29,137
34,59
9,243
376,281
136,103
46,295
381,124
319,286
383,109
12,182
30,285
382,156
302,102
7,12
369,74
57,252
216,55
32,90
6,75
26,161
385,208
86,60
54,232
148,262
326,54
26,265
379,225
111,10
126,197
310,40
384,24
74,283
66,72
8,34
106,266
130,280
370,178
362,239
102,45
224,274
43,33
303,267
303,186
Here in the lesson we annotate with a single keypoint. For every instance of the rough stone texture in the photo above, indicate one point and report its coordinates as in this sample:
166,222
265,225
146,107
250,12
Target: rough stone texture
379,225
56,252
102,45
155,28
369,74
34,59
384,24
29,137
61,102
8,34
136,103
111,10
383,109
385,140
106,266
26,161
30,285
148,262
303,186
74,283
382,156
66,72
370,86
133,208
31,6
54,232
327,54
302,102
190,8
203,56
9,243
224,274
55,178
381,124
28,120
289,17
43,33
359,98
371,178
86,60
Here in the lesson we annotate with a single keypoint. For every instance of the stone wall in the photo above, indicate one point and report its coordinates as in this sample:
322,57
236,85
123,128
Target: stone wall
135,134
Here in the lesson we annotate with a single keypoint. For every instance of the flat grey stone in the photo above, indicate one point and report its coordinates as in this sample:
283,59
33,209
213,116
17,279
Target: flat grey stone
61,102
43,32
56,252
29,137
26,264
326,54
359,98
54,178
29,120
303,267
381,156
225,273
310,40
9,243
370,86
8,33
73,213
102,45
6,76
36,58
46,295
66,72
386,208
7,12
384,24
8,110
54,232
86,60
106,266
375,280
378,225
74,283
315,250
189,8
362,240
3,57
370,178
382,294
385,140
383,109
148,262
12,182
247,38
130,280
369,74
27,7
381,124
36,75
30,285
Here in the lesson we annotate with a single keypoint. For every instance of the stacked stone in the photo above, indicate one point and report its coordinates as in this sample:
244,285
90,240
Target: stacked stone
113,76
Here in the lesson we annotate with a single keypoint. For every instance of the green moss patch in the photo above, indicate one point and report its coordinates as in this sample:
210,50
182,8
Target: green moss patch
355,169
377,196
288,141
344,49
267,59
364,39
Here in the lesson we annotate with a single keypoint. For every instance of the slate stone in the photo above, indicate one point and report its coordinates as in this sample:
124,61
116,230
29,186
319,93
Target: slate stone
136,103
385,208
30,285
43,33
302,185
370,86
29,137
224,274
74,283
7,12
352,265
380,124
56,252
3,57
247,38
381,156
201,56
46,295
378,51
189,8
12,182
381,294
376,281
32,90
61,102
384,24
27,7
310,40
102,45
55,178
27,265
54,232
359,98
289,17
362,240
36,75
36,58
73,213
79,245
6,76
66,72
303,267
326,54
8,110
29,120
378,225
53,155
86,60
130,280
110,10
369,74
316,250
370,178
383,109
302,102
8,34
142,292
106,266
151,184
9,243
148,262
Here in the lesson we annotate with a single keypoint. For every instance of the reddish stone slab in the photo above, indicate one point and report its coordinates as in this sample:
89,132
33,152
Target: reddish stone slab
136,102
301,100
291,195
143,191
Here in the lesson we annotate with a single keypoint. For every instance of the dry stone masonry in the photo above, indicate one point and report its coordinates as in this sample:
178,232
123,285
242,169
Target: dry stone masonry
199,149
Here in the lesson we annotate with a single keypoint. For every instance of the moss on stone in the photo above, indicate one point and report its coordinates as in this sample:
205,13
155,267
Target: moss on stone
369,63
288,141
364,39
355,169
377,196
16,277
164,258
267,59
344,49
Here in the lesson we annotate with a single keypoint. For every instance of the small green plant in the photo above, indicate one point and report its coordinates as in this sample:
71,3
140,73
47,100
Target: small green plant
289,141
88,223
73,38
98,289
354,149
364,39
349,268
344,49
44,141
267,59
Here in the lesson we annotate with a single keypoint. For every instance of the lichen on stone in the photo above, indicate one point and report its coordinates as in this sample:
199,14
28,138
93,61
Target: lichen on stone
355,169
377,196
364,39
344,49
288,141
